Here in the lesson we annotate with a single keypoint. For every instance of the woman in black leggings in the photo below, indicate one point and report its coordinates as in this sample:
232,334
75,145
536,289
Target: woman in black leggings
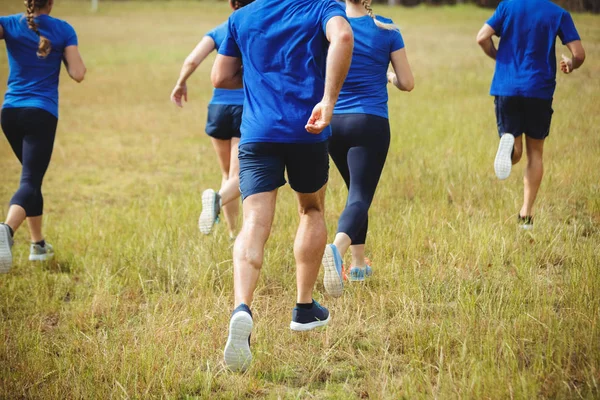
37,44
361,133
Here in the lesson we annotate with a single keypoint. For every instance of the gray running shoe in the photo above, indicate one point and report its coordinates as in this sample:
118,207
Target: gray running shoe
39,253
211,207
6,242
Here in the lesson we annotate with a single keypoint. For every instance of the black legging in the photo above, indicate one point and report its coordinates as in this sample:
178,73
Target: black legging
358,146
30,132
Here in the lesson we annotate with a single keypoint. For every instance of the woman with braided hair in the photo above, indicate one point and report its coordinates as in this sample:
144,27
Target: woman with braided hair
37,44
223,127
361,133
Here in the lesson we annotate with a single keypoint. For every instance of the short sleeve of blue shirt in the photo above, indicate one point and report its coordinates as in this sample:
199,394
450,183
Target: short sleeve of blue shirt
497,20
229,47
567,31
71,36
333,9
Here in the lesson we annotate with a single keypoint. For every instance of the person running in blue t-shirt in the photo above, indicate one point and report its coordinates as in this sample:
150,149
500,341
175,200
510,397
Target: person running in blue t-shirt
223,127
361,133
295,56
524,83
36,45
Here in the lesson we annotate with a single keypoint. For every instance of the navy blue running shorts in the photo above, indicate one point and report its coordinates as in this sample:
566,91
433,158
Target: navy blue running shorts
224,121
263,166
517,115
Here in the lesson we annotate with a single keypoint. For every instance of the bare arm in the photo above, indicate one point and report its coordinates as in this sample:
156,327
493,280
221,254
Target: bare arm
484,39
402,76
227,73
191,63
567,65
74,63
339,57
1,32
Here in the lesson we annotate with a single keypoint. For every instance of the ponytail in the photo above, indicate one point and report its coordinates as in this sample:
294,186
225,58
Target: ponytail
44,46
367,5
237,4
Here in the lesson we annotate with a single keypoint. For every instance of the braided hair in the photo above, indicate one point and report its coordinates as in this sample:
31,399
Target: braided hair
367,5
237,4
44,46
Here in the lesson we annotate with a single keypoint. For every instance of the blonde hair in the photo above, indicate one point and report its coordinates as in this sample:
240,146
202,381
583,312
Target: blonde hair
44,46
367,5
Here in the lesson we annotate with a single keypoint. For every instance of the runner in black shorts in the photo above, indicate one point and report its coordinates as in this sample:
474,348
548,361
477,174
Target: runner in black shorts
37,45
361,133
223,127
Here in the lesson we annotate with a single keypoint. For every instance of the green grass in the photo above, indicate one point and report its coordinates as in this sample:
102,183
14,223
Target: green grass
462,304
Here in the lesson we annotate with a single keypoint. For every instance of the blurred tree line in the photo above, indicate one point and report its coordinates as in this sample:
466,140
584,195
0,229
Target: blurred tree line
571,5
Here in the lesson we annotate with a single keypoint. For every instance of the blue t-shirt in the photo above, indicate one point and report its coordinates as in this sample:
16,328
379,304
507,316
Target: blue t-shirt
224,96
365,88
283,48
526,59
33,81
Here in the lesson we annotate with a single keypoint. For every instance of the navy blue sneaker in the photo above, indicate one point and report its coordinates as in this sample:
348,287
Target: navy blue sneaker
332,265
237,352
304,319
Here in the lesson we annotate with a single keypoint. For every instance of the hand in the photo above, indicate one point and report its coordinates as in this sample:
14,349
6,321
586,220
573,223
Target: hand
566,65
179,92
320,118
390,77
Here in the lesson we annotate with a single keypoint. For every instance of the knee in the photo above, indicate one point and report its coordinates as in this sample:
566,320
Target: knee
310,210
359,207
248,253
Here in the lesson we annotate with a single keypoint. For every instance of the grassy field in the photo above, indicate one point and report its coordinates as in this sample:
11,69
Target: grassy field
462,303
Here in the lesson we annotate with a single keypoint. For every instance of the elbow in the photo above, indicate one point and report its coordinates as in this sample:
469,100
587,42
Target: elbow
481,40
217,79
579,58
408,85
78,75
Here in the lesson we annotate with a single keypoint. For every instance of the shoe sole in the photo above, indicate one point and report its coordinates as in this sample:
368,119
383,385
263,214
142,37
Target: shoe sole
333,282
298,327
356,279
41,257
207,216
503,161
5,252
237,352
526,227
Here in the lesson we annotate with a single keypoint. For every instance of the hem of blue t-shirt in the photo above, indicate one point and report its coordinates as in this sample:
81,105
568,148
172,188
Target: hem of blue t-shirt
375,113
226,103
531,95
30,104
566,41
321,138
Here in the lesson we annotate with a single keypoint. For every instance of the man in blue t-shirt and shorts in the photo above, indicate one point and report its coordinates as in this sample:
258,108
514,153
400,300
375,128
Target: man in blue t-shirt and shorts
295,57
524,82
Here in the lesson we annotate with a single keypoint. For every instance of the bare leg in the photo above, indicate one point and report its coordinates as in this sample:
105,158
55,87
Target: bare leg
358,255
517,150
533,174
310,242
35,228
16,216
248,252
342,241
230,179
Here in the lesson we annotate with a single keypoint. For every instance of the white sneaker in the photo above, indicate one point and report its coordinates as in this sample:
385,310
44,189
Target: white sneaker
332,265
237,354
211,207
6,242
39,253
503,161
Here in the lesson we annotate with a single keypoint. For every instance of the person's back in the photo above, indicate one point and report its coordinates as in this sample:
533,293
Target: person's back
283,49
364,90
526,59
291,58
224,96
33,80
